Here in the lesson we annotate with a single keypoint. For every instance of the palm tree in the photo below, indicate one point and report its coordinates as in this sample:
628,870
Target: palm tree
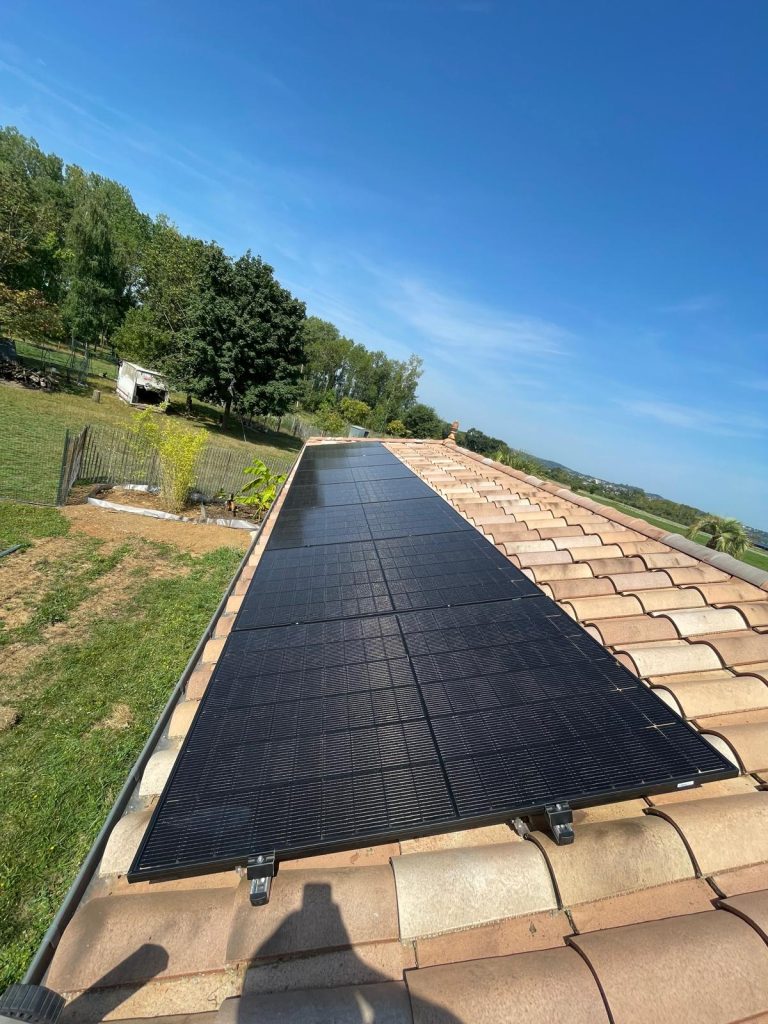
726,535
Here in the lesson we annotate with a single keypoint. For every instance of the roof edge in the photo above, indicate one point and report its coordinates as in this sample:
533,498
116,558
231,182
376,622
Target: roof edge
726,563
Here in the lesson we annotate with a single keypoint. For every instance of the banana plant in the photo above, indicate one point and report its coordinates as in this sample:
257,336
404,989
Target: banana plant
261,489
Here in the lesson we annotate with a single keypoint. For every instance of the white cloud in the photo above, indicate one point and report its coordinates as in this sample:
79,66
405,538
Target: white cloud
731,424
694,304
472,328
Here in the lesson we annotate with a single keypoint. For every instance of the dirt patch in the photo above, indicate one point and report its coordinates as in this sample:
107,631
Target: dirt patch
8,717
146,499
23,574
121,717
195,538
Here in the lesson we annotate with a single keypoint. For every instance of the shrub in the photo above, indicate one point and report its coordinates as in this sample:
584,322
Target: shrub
331,422
355,412
396,428
178,448
261,490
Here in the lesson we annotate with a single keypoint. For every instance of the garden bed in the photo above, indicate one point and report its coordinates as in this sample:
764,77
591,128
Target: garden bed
141,500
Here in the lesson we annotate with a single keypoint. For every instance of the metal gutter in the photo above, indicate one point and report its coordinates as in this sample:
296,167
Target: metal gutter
42,958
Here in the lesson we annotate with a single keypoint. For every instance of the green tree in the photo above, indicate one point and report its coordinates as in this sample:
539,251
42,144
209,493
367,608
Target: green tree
355,412
98,282
396,428
327,360
727,535
170,274
422,421
244,346
31,238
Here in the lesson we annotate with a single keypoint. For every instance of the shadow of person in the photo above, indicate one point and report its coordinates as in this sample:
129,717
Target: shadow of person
114,987
345,988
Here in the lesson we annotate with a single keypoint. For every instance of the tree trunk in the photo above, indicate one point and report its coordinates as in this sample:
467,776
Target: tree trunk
225,411
188,404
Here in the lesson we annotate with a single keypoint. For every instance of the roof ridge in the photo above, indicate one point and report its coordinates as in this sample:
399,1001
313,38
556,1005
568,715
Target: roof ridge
726,563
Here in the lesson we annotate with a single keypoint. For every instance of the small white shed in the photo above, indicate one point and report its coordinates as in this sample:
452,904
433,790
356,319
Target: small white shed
139,386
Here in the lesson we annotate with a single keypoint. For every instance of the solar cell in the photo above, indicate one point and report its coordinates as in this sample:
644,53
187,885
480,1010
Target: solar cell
391,674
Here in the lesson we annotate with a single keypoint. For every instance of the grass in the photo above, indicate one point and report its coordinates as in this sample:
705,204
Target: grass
33,425
751,556
21,524
63,764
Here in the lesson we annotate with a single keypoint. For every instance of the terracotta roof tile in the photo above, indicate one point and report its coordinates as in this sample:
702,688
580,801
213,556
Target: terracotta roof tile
315,910
497,881
708,968
718,693
157,770
729,592
742,650
535,558
654,579
615,857
749,743
384,1003
603,607
740,880
483,836
540,988
545,930
739,786
633,629
364,964
689,896
751,907
672,597
668,560
127,939
722,832
650,550
697,574
562,590
663,660
696,621
559,571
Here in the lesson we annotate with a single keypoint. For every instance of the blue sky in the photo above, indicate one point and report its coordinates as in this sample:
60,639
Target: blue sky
560,206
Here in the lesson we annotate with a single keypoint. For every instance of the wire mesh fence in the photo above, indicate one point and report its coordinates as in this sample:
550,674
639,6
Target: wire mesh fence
31,464
40,465
114,456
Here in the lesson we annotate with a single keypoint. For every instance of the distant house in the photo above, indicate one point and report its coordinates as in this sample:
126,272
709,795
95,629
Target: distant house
139,386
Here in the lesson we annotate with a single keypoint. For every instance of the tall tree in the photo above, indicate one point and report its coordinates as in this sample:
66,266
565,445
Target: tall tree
170,273
31,237
244,347
327,360
422,421
98,281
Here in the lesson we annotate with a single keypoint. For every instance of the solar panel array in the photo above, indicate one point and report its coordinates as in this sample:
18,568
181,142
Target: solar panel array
391,674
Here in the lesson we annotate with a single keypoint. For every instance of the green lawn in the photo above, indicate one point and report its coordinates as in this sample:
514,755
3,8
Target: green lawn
86,698
751,556
33,425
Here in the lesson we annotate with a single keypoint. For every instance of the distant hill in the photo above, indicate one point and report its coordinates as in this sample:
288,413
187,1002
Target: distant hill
626,492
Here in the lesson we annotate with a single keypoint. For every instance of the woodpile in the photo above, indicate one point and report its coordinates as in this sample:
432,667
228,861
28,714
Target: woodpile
30,378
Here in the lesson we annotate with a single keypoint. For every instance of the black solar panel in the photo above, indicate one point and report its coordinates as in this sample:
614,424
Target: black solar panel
390,675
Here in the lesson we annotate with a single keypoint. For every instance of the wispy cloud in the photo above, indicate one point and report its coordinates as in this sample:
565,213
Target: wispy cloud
473,328
691,418
694,304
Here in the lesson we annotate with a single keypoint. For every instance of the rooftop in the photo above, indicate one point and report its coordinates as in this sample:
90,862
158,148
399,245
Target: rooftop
659,910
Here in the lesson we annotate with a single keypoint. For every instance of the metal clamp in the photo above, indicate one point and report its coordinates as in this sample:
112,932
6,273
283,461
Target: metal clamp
559,819
261,870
